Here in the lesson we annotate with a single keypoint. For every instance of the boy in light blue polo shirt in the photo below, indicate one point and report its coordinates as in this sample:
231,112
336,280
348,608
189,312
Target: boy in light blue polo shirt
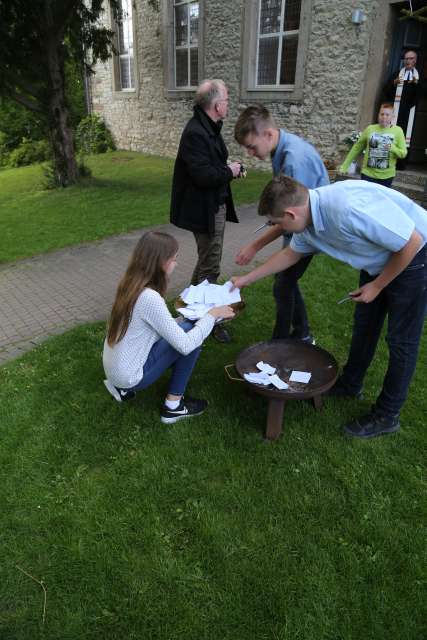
382,233
292,156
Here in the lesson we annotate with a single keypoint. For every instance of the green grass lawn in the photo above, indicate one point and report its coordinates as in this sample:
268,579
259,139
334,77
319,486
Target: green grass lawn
127,191
201,530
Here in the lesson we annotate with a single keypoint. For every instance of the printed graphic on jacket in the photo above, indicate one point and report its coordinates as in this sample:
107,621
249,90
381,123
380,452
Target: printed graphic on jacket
379,150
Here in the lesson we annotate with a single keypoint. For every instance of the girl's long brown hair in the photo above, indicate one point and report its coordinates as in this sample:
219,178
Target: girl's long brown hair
145,269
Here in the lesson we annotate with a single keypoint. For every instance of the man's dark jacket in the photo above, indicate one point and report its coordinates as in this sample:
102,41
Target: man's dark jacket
201,179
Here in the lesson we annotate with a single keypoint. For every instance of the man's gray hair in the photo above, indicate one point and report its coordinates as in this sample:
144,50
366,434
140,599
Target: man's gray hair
208,92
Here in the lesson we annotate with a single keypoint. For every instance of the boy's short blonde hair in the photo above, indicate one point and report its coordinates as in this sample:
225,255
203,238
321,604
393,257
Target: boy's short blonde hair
253,119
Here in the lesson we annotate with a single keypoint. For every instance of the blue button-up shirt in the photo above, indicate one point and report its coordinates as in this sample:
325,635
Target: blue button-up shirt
361,223
297,158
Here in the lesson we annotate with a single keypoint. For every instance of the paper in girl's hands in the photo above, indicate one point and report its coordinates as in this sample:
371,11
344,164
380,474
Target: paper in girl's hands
204,296
195,311
300,376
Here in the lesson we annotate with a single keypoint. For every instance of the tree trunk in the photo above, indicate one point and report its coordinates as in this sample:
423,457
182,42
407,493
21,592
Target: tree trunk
61,135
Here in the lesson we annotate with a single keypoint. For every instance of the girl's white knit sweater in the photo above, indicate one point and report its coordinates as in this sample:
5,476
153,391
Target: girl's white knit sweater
151,320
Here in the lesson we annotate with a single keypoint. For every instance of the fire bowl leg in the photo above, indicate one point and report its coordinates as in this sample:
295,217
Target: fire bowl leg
274,425
318,402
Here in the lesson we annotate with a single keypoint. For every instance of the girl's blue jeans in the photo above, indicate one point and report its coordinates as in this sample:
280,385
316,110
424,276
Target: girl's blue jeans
163,356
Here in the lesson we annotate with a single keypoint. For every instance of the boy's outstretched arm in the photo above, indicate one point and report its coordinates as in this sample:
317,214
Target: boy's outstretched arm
395,265
248,251
279,261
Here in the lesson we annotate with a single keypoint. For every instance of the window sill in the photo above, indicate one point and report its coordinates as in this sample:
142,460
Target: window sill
124,94
177,94
291,94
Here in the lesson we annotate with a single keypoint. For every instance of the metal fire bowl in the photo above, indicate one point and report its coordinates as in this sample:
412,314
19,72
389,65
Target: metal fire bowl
287,355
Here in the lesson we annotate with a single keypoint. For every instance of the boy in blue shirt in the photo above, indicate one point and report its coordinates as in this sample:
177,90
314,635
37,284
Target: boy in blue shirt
293,156
382,233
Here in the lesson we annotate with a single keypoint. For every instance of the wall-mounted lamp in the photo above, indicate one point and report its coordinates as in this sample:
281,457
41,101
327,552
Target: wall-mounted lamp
358,16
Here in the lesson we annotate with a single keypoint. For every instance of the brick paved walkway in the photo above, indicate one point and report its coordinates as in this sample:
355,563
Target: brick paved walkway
52,293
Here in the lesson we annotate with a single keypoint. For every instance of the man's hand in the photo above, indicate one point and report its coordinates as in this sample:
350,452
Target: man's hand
366,293
245,255
238,282
235,168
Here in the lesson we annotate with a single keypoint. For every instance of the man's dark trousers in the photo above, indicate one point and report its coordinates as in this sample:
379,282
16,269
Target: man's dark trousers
404,300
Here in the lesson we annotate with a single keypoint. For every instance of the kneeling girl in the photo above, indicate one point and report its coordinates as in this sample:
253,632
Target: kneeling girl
143,339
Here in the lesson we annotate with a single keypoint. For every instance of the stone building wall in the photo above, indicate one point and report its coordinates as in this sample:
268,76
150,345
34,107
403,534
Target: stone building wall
335,71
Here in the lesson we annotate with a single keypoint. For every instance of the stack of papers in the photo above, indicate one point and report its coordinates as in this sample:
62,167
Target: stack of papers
267,375
203,297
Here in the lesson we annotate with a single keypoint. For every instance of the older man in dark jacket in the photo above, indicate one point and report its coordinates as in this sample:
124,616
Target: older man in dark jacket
201,195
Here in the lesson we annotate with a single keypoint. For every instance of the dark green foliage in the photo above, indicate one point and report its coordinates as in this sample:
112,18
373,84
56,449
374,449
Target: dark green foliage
74,90
38,39
17,122
29,152
93,136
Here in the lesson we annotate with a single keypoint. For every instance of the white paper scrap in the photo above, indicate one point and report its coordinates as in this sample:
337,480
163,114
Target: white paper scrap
257,378
278,382
300,376
265,367
195,311
213,294
208,293
230,296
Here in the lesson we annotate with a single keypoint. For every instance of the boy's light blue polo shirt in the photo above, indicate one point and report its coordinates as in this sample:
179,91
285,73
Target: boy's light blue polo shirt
360,223
297,158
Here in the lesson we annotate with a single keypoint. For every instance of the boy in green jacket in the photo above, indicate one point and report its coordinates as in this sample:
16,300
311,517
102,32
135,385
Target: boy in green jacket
383,144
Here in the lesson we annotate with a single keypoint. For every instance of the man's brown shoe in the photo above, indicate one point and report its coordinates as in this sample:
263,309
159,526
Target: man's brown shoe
221,334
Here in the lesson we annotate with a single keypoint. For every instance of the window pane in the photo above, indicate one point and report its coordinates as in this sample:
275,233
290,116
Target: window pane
125,78
194,23
125,46
270,16
182,68
181,26
267,60
289,60
131,72
292,13
194,67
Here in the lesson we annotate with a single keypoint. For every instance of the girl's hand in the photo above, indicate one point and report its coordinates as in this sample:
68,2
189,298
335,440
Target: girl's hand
225,312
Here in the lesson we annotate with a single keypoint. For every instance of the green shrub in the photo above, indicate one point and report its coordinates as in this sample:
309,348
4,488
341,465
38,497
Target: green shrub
4,151
29,152
93,136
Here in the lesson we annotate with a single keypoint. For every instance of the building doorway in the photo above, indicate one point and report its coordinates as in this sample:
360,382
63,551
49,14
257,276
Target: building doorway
411,34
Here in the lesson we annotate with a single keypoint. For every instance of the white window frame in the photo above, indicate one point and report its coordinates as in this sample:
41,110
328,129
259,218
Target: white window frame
169,49
130,56
250,90
188,46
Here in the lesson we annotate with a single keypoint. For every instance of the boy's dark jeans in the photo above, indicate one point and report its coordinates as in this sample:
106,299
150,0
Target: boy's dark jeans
290,307
404,300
